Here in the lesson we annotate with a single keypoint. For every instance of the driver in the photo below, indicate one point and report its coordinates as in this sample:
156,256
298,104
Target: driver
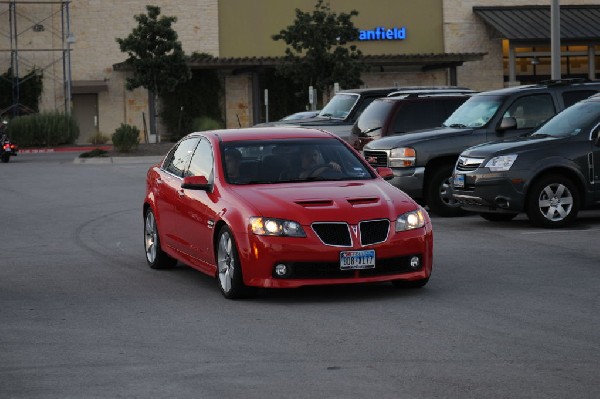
310,159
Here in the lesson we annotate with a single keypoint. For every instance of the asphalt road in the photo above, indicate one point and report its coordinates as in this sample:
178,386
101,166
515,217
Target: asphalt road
511,311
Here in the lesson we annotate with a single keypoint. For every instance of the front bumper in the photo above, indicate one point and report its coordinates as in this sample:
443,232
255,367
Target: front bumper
499,192
409,180
313,263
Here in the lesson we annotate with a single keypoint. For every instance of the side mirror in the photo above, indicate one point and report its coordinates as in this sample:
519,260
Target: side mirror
386,173
195,183
507,123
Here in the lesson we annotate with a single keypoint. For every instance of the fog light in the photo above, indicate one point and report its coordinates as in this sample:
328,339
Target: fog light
415,262
281,270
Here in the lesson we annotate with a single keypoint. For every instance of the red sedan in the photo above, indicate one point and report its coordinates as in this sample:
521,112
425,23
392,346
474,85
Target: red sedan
279,208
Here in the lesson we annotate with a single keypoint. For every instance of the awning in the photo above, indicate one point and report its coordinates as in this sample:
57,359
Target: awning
578,24
425,61
88,86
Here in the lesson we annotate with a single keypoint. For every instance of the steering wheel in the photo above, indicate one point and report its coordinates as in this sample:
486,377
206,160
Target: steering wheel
318,170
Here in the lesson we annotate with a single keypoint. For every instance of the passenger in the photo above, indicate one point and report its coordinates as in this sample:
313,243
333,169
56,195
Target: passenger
233,160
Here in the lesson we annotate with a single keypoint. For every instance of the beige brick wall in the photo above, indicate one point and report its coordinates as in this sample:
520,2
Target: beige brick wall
238,91
464,32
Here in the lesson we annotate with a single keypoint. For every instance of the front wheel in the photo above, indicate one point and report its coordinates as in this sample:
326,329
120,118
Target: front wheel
553,201
229,268
438,193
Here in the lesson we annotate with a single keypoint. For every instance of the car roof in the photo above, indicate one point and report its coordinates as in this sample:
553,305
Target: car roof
402,89
261,133
400,97
544,86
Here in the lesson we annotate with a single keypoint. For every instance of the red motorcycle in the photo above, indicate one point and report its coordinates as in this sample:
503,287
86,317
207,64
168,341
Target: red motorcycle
7,148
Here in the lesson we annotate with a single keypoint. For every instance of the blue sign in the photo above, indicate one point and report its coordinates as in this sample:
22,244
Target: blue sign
381,33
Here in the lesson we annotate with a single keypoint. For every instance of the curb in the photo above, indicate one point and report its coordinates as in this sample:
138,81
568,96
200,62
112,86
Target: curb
119,160
63,149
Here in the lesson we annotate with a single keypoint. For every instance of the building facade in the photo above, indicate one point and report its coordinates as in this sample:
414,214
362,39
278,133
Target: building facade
430,42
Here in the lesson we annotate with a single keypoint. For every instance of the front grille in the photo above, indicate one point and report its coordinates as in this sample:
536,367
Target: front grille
376,158
374,231
466,164
336,234
322,270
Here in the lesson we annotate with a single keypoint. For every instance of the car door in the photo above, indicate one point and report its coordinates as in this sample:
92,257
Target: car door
196,207
169,183
529,111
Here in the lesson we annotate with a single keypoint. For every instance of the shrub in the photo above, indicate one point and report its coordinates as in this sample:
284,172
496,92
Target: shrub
100,138
205,123
43,129
126,138
96,152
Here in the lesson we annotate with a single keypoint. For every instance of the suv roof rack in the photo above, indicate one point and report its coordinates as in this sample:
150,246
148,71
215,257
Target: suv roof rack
560,82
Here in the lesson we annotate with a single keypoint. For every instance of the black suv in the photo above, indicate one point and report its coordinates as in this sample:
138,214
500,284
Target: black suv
405,113
344,108
550,174
423,161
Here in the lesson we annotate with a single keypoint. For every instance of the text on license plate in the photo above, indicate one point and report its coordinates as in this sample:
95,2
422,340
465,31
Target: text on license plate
459,180
357,259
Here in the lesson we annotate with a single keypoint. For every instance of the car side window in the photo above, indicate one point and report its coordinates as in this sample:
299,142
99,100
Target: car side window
531,111
178,161
418,115
571,97
202,161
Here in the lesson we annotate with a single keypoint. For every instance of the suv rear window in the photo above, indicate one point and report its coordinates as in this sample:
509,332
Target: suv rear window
572,97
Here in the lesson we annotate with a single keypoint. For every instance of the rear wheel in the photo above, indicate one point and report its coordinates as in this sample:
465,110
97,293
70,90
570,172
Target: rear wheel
155,256
5,158
438,193
553,201
498,217
229,268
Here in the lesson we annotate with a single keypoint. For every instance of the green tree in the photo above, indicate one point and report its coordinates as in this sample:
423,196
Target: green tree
156,57
317,53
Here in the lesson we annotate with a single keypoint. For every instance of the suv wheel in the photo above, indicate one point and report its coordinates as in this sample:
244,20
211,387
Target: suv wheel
553,201
438,193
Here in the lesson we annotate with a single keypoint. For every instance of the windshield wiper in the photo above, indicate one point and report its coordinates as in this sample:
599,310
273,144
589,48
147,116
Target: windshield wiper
370,130
458,126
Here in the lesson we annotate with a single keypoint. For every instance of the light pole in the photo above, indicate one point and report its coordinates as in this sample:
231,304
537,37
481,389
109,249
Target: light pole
555,39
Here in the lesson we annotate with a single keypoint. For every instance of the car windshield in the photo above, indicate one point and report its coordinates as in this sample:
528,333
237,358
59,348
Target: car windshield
292,160
477,111
572,121
339,106
374,116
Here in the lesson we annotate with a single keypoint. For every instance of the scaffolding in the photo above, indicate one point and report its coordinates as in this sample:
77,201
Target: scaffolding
39,32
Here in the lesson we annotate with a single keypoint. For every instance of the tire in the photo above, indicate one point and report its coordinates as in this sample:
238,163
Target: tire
229,268
410,284
155,256
5,158
498,217
438,193
553,201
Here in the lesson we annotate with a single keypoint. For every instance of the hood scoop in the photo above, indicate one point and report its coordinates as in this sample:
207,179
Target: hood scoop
363,201
315,203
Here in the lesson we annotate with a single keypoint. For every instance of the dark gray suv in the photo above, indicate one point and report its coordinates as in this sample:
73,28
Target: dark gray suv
423,161
549,174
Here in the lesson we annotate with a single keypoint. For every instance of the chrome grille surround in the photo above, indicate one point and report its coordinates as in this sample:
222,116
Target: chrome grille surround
468,164
337,234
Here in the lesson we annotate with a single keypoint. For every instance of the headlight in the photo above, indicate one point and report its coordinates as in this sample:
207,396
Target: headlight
402,157
501,163
276,227
411,220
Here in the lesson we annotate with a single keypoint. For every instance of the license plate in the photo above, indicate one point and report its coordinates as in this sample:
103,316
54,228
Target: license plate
459,181
350,260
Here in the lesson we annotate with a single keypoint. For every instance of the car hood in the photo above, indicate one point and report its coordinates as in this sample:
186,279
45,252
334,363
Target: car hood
512,146
351,201
416,136
308,122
